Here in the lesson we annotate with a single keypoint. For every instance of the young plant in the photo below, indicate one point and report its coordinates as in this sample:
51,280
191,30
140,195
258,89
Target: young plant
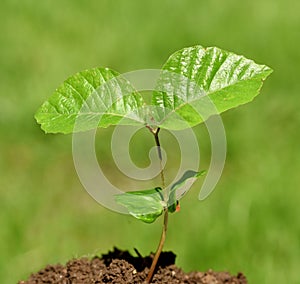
192,81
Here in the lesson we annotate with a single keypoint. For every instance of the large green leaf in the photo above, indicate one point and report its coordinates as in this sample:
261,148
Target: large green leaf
172,202
197,82
145,205
92,98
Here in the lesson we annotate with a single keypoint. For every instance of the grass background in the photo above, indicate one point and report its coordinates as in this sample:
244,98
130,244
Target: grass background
251,221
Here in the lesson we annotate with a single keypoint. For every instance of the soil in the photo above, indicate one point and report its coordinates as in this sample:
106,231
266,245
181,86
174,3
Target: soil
121,267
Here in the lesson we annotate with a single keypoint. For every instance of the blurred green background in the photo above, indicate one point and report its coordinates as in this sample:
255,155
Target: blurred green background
250,223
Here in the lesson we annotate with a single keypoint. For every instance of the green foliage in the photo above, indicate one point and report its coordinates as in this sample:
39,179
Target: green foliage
172,201
145,205
148,205
92,98
195,83
208,81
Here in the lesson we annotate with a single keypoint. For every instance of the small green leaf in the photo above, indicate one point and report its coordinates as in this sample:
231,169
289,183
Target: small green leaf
197,82
92,98
172,202
145,205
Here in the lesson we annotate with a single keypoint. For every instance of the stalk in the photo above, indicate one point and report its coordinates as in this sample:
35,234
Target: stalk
160,157
165,224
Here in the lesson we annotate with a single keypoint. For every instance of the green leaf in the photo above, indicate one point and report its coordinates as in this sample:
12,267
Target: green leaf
172,202
92,98
197,82
145,205
148,205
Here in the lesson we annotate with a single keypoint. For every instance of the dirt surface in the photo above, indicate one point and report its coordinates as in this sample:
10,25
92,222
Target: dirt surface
121,267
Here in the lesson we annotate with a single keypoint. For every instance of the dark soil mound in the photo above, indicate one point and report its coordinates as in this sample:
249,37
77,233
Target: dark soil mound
121,267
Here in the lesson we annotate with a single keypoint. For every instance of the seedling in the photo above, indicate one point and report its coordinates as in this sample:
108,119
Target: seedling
192,81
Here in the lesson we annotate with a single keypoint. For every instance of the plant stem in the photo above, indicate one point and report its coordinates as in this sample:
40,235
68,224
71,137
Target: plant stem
162,176
165,224
159,248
